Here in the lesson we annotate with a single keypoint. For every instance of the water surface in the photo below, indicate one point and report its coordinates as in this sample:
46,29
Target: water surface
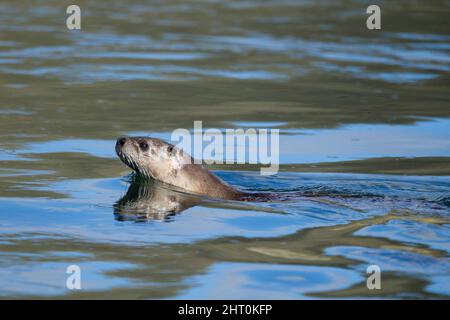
364,123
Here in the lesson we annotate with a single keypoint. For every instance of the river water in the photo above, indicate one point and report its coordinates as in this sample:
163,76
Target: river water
364,123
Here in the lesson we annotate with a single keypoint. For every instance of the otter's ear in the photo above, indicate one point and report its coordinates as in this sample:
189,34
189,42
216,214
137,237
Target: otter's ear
170,149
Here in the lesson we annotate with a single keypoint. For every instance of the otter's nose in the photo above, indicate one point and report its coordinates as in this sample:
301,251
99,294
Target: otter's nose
121,141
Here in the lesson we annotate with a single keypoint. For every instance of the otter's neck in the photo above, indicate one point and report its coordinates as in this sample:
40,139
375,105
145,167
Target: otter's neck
196,179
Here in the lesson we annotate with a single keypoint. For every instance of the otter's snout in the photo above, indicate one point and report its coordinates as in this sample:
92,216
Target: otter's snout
120,144
121,141
125,153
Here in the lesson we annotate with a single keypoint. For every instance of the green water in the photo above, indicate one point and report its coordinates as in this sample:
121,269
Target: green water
362,114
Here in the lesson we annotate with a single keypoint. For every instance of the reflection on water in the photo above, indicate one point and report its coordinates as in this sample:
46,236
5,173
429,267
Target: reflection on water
345,99
149,200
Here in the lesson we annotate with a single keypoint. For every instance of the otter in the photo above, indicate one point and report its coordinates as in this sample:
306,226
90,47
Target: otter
162,161
148,200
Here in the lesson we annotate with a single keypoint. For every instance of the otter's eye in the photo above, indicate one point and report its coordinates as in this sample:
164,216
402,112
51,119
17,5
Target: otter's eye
170,148
143,146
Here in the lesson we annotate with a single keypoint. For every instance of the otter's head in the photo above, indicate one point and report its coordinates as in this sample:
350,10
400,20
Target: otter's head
152,157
